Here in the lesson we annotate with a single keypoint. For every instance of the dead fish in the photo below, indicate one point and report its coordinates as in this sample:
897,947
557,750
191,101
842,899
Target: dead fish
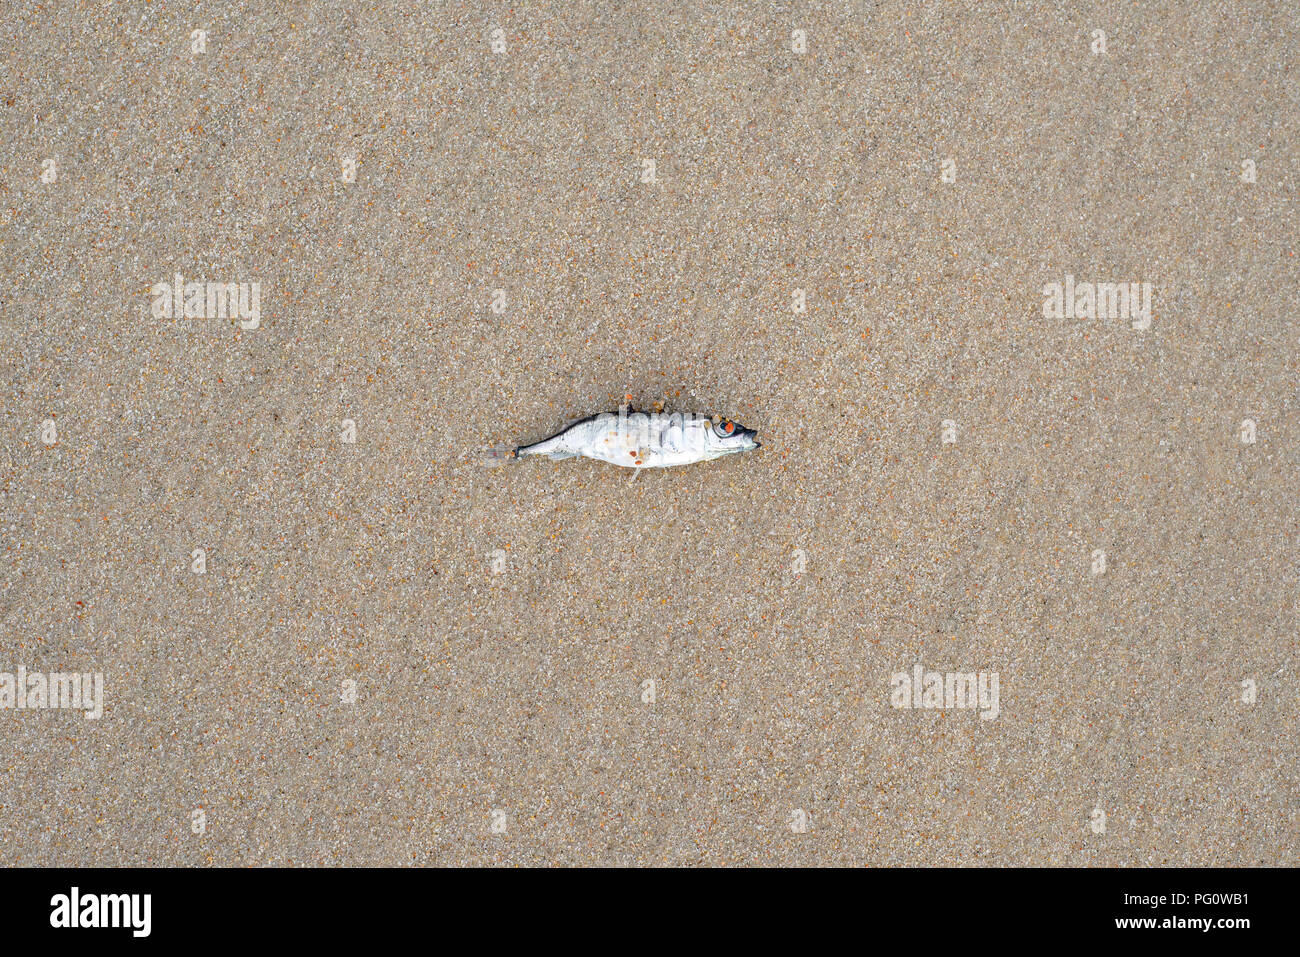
642,440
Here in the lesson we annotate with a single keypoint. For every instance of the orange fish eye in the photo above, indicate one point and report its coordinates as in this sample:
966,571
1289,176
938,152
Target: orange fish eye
729,427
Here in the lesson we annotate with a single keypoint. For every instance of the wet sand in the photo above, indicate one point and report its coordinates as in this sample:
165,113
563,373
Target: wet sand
380,173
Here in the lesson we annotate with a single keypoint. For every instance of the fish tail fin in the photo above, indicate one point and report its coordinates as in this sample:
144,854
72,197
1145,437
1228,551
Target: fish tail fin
498,456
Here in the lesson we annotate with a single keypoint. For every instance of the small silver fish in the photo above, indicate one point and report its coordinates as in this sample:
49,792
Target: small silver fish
640,440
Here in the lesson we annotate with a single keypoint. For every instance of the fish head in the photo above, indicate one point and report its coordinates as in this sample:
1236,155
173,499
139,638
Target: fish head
726,435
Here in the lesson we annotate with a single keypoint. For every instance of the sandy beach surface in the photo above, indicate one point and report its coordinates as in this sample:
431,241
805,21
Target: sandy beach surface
328,634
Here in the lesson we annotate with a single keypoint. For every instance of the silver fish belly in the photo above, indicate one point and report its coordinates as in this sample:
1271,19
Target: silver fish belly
641,440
